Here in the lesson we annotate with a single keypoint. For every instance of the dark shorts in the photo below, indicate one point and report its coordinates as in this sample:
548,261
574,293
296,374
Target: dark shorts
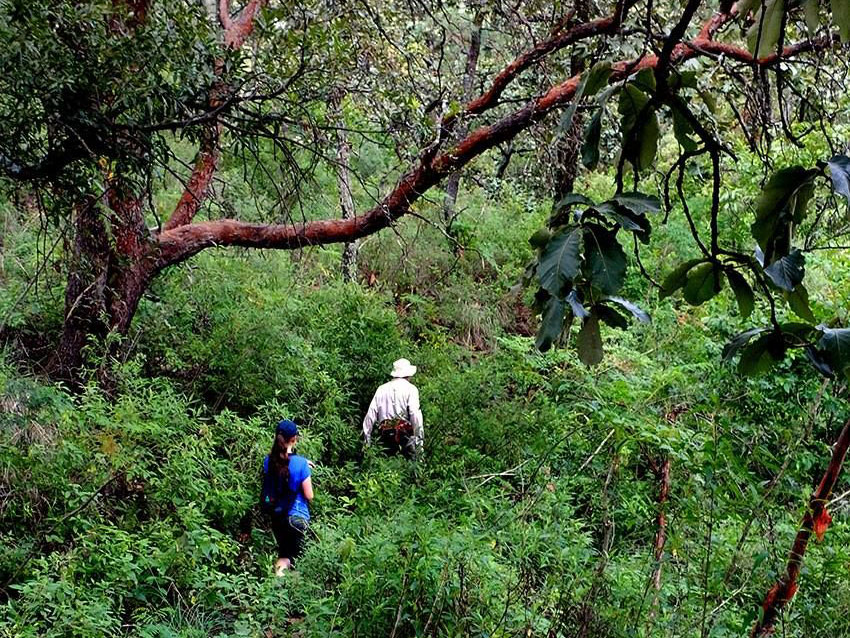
289,533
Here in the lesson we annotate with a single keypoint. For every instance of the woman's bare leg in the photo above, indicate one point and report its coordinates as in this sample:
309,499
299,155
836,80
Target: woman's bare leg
281,565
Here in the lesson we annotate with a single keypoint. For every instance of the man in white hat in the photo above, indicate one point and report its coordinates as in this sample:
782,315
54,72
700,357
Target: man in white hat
395,409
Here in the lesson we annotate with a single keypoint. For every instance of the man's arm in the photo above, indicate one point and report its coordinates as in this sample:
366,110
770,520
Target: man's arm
370,418
414,412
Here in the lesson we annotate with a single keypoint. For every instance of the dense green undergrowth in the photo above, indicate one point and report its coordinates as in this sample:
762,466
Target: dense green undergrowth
534,511
140,509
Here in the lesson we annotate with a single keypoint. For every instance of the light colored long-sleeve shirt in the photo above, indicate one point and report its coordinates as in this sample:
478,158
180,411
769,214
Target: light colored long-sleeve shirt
397,398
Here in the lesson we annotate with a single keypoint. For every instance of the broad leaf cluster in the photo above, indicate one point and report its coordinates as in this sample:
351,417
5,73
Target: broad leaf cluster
777,270
581,267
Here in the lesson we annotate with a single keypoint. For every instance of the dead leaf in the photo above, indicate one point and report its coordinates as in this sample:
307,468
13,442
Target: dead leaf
821,521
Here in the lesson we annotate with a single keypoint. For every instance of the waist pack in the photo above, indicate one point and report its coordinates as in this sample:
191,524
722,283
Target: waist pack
396,435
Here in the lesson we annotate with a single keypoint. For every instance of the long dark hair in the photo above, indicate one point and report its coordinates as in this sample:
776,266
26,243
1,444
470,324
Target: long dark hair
279,457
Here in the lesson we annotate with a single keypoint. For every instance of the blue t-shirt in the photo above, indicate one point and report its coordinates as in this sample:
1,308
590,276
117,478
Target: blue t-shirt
299,471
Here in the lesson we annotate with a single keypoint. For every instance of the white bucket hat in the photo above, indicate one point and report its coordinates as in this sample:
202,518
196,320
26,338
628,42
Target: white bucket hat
402,368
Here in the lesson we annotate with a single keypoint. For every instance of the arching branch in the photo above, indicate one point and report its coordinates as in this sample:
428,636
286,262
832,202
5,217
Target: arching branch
180,243
200,180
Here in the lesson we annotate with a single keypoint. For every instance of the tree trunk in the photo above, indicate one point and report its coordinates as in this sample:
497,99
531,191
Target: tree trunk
346,201
663,476
111,267
105,285
453,183
85,293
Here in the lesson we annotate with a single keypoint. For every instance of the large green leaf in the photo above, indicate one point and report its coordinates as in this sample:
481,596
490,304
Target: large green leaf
835,345
611,316
560,261
731,349
682,130
762,354
703,282
561,210
540,238
841,18
597,78
634,222
639,126
800,203
572,199
645,80
639,313
683,79
782,201
817,359
763,35
551,324
788,271
743,292
638,203
589,342
798,301
591,82
839,171
810,10
646,143
677,278
605,261
590,146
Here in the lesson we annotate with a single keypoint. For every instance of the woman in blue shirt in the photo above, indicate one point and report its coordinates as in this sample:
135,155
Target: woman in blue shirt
287,491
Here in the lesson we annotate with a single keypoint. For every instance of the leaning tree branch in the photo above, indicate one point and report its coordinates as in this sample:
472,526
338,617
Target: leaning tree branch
197,187
237,31
178,244
603,26
816,519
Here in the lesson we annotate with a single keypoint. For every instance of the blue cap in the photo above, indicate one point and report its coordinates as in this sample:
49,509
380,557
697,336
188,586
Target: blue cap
287,428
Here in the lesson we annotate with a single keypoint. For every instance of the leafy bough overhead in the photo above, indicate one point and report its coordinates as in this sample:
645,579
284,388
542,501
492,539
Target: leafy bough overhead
776,270
581,266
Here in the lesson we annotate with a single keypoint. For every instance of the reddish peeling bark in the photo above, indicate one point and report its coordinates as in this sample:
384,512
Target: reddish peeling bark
206,163
140,258
114,254
237,31
816,519
197,188
180,243
132,259
112,265
603,26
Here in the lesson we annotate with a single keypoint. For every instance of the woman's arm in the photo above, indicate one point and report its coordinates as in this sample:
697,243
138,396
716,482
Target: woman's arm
307,488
